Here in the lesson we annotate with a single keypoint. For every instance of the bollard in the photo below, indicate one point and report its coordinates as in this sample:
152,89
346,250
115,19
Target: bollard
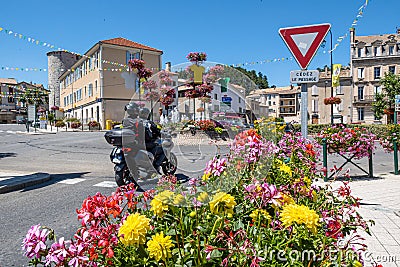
325,158
370,165
396,159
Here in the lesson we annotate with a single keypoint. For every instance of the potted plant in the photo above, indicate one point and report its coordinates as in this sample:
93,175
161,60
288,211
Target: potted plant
94,125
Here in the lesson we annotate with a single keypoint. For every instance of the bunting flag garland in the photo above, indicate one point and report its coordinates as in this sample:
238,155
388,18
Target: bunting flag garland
360,13
262,62
52,46
45,70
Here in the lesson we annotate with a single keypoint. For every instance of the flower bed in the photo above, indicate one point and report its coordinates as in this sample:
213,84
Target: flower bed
256,207
357,141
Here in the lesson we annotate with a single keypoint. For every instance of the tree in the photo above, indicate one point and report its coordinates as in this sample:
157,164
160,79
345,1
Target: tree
391,87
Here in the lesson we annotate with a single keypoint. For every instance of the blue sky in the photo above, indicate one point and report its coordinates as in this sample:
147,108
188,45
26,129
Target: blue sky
230,32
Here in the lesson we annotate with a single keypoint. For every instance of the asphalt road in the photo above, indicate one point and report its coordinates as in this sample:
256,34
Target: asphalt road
80,166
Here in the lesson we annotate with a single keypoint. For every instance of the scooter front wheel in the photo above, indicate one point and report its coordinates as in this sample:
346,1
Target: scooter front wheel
169,167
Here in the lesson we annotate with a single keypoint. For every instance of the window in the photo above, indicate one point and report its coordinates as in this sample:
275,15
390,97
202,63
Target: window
215,96
377,72
361,73
281,103
375,51
367,51
269,103
290,102
360,113
383,51
273,103
314,105
132,55
361,93
377,90
314,90
339,90
359,52
340,106
239,99
85,92
392,69
90,89
240,109
391,50
95,86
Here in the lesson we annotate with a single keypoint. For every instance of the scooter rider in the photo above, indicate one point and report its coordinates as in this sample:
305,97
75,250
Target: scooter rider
152,134
132,122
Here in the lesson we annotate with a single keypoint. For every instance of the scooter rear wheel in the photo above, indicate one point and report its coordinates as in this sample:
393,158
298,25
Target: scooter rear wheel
124,177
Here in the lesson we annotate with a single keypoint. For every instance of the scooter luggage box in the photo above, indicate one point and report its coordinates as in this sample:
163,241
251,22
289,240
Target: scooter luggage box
114,136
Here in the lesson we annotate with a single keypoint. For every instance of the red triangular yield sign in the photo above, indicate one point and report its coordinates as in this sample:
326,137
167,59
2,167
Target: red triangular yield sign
304,41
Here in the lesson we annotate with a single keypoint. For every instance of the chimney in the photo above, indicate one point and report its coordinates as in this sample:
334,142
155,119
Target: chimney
398,30
352,35
168,66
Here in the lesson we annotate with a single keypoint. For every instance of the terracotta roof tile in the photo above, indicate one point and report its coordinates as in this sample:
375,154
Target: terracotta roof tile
128,43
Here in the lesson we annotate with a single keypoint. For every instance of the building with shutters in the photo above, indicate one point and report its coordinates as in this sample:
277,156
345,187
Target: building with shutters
319,113
98,85
371,57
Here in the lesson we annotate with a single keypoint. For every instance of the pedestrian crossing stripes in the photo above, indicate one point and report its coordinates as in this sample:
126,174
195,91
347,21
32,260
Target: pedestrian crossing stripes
71,181
109,184
74,181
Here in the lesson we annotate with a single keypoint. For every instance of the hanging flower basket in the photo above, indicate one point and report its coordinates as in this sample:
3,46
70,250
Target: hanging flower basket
197,57
54,108
152,96
389,111
332,100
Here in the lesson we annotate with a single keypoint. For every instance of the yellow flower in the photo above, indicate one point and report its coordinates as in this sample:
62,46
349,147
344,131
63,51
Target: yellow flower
285,200
206,176
261,215
203,197
307,181
222,202
192,214
299,214
286,168
179,200
159,204
133,230
159,247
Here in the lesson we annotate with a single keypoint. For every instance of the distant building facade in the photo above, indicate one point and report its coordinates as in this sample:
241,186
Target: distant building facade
97,87
281,102
319,113
371,57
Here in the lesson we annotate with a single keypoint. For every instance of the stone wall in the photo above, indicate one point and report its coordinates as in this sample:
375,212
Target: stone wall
57,63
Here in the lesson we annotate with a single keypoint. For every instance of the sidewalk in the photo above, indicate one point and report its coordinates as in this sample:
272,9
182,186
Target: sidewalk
380,202
12,181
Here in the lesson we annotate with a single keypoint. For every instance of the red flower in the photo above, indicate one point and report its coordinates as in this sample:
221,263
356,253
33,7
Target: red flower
334,228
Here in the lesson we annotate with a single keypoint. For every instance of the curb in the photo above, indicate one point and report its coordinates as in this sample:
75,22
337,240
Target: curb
21,182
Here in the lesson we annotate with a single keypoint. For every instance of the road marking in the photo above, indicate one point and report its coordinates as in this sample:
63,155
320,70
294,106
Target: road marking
11,132
106,184
72,181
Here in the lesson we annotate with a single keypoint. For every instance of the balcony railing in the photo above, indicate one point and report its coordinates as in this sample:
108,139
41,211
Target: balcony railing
364,99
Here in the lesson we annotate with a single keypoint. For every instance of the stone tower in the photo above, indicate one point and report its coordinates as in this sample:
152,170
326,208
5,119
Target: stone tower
57,63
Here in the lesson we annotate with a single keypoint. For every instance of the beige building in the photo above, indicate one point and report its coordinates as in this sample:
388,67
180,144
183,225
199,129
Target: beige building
319,113
7,100
98,85
371,57
282,102
232,101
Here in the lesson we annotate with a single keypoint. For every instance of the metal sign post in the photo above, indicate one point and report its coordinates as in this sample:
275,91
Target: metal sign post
303,42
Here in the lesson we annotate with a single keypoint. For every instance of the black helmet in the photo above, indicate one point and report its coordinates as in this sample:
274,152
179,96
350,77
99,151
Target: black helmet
132,109
144,113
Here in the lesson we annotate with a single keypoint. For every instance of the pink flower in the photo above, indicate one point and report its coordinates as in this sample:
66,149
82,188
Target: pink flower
35,241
